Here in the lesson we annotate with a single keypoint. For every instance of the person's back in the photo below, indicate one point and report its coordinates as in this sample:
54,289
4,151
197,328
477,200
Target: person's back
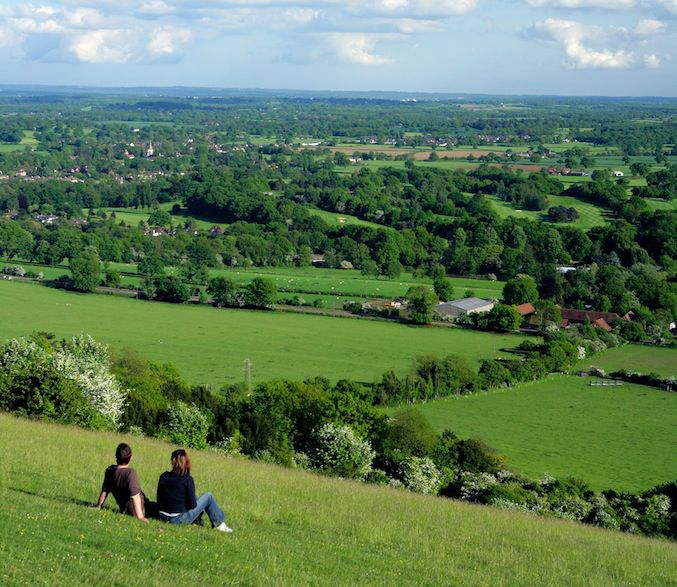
176,500
122,481
175,493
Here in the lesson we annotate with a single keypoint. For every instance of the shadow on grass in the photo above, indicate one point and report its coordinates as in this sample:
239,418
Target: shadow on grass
59,498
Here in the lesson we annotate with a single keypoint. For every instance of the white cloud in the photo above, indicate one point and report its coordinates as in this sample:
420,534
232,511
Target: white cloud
606,4
410,26
652,61
8,37
103,46
84,18
155,7
357,48
669,5
649,28
574,38
166,41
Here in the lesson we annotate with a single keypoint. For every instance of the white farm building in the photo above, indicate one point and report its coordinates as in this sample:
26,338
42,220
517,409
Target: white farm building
463,306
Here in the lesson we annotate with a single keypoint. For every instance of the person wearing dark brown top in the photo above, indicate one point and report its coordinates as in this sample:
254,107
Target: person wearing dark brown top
122,481
176,498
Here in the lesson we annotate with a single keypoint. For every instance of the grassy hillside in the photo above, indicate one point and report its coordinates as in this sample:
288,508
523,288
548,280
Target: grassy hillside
291,528
210,345
612,437
639,358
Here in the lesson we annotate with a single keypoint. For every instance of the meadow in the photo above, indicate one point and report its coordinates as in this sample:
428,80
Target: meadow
334,287
209,345
611,437
28,140
638,358
132,216
290,528
589,215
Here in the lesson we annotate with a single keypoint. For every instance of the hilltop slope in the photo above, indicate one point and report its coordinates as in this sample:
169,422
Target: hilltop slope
290,528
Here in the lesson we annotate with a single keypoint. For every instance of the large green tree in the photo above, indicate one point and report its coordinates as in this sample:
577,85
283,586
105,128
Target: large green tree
85,271
260,292
520,290
421,302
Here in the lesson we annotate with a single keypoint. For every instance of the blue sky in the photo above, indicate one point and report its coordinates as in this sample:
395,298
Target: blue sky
569,47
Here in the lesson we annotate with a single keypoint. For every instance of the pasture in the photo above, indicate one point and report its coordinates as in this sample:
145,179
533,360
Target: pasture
619,438
338,219
132,216
334,286
589,215
209,345
638,358
28,141
290,528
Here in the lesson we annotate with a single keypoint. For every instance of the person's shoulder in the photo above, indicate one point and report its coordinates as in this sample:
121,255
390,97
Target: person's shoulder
110,469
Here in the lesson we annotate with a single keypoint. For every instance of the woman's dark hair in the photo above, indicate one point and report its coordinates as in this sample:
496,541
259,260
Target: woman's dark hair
180,462
123,454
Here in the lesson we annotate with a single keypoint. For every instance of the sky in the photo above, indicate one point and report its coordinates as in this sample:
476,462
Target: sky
561,47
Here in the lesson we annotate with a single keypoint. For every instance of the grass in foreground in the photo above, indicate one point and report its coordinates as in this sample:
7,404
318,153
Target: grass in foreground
638,358
209,345
611,437
291,528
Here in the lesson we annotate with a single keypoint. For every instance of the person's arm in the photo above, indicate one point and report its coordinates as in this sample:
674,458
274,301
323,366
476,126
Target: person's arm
105,489
191,500
137,507
102,499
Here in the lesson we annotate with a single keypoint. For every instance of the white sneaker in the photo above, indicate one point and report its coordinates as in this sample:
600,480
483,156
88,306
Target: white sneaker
223,528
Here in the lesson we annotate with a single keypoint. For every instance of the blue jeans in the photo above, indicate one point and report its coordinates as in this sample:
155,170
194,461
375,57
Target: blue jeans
205,502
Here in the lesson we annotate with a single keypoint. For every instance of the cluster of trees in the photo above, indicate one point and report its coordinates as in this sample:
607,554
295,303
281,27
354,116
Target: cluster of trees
332,429
433,377
562,214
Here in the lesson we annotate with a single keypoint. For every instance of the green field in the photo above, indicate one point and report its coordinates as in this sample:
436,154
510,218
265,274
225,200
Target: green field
352,282
334,286
589,214
132,216
209,345
638,358
290,528
337,219
621,438
27,140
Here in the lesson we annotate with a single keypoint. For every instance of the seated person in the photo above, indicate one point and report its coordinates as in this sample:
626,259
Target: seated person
176,499
121,480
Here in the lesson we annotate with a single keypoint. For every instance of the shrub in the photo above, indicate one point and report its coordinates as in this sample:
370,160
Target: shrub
81,361
340,452
420,475
186,425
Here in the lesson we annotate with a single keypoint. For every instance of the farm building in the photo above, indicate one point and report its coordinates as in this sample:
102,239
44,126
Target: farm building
583,316
525,309
463,306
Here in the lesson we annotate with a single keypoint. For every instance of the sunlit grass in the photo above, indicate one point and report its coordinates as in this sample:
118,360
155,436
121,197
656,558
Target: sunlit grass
290,528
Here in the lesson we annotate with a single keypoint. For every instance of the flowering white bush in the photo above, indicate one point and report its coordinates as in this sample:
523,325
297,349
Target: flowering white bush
20,353
341,452
82,360
421,475
476,485
88,363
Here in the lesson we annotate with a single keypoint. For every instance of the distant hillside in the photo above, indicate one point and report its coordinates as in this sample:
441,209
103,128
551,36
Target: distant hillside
290,528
